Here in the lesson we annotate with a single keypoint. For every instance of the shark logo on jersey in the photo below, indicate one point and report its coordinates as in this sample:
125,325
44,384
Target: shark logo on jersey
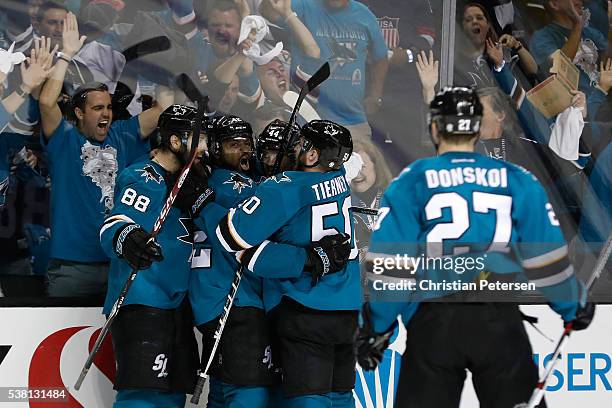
342,52
280,179
100,164
149,173
189,227
239,182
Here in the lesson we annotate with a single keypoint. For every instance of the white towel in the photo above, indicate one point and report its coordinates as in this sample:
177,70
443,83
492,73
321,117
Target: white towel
261,30
353,166
566,132
504,14
8,59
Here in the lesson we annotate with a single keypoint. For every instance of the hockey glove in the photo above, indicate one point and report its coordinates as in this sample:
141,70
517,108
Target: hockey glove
194,194
328,255
135,245
370,346
584,316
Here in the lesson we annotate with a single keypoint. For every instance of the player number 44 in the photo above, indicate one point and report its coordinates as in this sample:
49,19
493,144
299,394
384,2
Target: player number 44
139,202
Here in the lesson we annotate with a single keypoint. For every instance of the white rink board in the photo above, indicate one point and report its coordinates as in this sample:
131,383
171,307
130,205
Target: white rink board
586,375
24,329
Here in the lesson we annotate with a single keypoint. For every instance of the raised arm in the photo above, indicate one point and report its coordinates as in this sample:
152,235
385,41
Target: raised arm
33,75
302,34
50,113
148,119
230,67
427,68
570,48
529,65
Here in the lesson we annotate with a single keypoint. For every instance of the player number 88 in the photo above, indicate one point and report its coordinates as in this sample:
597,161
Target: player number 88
139,202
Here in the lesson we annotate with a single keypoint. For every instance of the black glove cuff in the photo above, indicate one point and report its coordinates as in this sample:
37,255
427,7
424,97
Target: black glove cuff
206,197
120,236
322,255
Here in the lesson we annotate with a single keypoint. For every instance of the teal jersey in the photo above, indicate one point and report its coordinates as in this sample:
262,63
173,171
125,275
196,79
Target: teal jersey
298,208
140,195
460,203
213,268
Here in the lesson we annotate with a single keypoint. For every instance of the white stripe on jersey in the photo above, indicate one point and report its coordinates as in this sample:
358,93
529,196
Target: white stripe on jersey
233,231
222,240
545,259
554,279
110,221
253,260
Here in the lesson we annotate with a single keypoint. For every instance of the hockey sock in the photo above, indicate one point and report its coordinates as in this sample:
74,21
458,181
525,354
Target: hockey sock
236,396
343,399
148,399
309,401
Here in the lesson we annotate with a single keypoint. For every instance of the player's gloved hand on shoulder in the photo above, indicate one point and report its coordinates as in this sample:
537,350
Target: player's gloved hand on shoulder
584,316
328,255
135,245
194,194
370,346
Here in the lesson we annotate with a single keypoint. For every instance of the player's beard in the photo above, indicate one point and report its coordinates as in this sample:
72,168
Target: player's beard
182,155
299,164
245,162
241,164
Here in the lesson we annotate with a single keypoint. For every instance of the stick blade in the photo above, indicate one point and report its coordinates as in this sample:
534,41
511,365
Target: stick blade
147,47
321,75
186,84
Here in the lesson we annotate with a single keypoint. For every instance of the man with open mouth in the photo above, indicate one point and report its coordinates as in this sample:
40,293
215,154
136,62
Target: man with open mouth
84,159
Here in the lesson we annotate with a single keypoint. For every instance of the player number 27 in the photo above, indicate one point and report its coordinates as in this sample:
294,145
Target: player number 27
460,216
131,198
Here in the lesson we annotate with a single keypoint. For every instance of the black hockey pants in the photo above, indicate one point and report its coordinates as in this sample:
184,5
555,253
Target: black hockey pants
446,339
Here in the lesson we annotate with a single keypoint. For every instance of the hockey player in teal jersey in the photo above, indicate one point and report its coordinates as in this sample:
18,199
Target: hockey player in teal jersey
314,323
153,337
269,144
457,202
243,369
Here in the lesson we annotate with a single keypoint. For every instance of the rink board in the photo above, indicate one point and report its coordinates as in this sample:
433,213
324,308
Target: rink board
46,347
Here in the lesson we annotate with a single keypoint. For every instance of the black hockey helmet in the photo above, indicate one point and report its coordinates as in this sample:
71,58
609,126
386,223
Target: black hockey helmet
333,141
227,127
179,120
271,138
456,111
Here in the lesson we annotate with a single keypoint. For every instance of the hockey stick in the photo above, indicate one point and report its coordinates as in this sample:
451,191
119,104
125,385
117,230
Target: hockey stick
538,392
156,229
229,301
203,375
126,84
364,210
321,75
146,47
307,112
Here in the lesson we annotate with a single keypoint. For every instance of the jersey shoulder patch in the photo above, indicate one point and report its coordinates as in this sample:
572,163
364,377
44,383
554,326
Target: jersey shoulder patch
143,175
278,178
238,182
150,174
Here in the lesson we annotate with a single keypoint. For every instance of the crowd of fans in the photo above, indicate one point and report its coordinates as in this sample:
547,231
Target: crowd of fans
84,104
